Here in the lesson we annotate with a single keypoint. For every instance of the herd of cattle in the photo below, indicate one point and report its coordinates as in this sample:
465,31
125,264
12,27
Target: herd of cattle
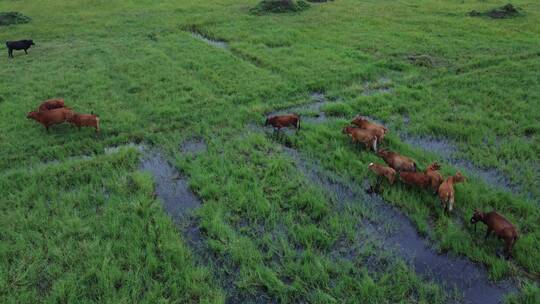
362,131
53,111
370,134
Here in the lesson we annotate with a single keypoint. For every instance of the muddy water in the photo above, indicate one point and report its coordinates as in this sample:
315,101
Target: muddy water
170,185
451,272
217,43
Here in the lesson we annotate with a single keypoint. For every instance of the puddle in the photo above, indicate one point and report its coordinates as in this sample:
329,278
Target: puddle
170,185
451,272
217,43
447,151
193,146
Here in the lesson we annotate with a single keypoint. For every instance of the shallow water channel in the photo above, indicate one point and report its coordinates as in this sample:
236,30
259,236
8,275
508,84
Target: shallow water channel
453,273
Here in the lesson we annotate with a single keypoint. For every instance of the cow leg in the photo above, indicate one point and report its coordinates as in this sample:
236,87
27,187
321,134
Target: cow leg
25,51
378,184
488,232
507,249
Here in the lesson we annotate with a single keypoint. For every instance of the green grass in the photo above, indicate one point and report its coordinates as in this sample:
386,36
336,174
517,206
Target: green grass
91,230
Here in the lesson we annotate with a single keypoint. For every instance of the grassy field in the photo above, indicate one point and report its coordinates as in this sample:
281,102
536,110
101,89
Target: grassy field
82,225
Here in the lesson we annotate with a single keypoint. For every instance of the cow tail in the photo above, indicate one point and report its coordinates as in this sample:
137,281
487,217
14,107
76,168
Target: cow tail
375,145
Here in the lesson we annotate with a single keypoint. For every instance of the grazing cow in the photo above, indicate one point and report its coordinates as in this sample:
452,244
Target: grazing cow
85,120
51,117
282,121
361,136
18,45
396,161
51,104
377,129
435,176
382,171
447,192
502,227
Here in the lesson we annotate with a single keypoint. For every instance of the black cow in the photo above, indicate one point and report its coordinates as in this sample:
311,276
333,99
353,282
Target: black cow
18,45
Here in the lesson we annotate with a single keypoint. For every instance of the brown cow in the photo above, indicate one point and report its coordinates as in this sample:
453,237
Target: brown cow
435,176
51,117
85,120
502,227
282,121
361,136
377,129
51,104
418,179
382,171
396,161
447,192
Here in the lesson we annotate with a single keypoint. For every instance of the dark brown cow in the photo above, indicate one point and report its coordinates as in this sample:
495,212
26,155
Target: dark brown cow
397,161
283,121
502,228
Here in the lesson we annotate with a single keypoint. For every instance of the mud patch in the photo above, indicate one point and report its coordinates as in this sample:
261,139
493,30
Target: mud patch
213,42
403,239
503,12
9,18
424,60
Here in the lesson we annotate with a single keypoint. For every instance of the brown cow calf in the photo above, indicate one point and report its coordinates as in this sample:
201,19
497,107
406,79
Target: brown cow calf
51,104
361,136
282,121
502,227
396,161
51,117
447,192
382,171
377,129
85,120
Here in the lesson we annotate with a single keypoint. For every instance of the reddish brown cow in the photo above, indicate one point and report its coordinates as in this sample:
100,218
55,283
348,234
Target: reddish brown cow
85,120
377,129
51,104
418,179
396,161
383,171
51,117
447,192
282,121
361,136
502,227
435,176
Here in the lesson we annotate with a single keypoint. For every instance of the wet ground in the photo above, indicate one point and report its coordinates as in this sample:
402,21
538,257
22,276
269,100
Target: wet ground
193,146
402,238
171,186
217,43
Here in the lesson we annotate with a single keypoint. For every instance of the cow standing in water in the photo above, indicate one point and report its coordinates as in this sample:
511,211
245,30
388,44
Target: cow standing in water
283,121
